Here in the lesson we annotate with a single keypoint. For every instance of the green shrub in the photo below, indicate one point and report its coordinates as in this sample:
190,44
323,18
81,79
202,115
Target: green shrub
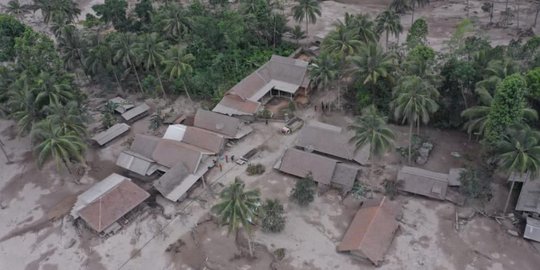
273,219
10,28
475,184
391,188
255,169
303,192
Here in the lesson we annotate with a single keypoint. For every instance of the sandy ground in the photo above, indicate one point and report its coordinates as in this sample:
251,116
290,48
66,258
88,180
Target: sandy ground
427,239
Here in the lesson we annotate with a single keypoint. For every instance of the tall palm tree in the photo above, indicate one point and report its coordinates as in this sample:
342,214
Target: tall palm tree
15,8
400,6
238,208
389,22
306,10
519,152
414,4
71,46
341,42
99,59
23,107
175,23
362,25
298,34
52,89
124,47
414,99
323,70
151,51
371,129
53,143
178,64
69,118
371,64
58,11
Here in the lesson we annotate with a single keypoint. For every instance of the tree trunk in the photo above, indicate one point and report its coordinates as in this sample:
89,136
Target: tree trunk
506,5
307,25
159,79
118,81
185,89
536,15
386,40
410,139
412,14
491,11
67,167
4,151
136,74
468,8
463,96
509,195
249,245
517,4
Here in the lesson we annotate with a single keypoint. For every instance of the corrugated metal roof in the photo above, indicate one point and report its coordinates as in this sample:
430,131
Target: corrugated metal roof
219,123
112,205
122,104
204,139
232,104
169,153
144,145
372,230
176,182
529,198
532,229
111,133
423,182
345,175
135,112
175,132
134,162
331,140
517,177
300,163
96,191
454,175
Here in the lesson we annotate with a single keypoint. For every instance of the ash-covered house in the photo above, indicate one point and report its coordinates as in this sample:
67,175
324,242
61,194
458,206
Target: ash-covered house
279,77
372,230
331,141
423,182
106,203
325,171
529,203
228,127
182,163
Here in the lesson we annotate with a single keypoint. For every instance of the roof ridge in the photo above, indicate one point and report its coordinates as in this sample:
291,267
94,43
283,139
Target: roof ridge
371,221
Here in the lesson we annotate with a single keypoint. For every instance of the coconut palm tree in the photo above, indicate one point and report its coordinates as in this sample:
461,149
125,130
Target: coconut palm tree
389,22
238,208
175,23
124,47
52,89
298,34
371,129
53,143
400,6
178,64
99,59
71,46
69,118
151,51
341,42
371,64
58,11
23,107
361,25
519,152
323,70
15,8
417,3
306,10
414,99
